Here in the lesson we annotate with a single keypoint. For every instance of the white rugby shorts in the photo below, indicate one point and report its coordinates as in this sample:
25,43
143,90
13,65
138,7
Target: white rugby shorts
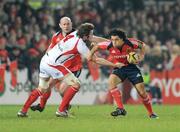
55,71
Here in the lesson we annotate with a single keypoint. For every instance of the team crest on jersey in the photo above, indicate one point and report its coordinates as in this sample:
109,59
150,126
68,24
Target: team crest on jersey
128,50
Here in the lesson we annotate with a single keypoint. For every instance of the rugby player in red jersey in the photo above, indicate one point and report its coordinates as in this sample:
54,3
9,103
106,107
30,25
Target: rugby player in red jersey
119,47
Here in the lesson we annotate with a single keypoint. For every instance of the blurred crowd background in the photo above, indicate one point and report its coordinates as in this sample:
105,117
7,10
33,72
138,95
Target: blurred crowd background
26,27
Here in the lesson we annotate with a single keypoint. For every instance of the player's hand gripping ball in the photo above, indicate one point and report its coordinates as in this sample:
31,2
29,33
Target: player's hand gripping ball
133,58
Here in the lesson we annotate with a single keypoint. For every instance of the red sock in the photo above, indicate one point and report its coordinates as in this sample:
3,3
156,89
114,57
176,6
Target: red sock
44,99
109,98
116,94
147,104
32,97
69,94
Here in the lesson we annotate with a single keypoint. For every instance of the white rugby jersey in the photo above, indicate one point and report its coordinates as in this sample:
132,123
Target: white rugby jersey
66,49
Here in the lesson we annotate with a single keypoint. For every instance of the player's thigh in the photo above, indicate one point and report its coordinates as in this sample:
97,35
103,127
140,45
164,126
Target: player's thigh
134,75
114,80
63,86
117,76
43,85
72,80
53,82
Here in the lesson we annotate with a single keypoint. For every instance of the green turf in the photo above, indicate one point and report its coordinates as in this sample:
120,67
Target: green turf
91,119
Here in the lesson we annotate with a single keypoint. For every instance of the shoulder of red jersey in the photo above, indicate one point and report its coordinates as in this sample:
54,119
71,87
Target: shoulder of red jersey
57,33
105,45
135,43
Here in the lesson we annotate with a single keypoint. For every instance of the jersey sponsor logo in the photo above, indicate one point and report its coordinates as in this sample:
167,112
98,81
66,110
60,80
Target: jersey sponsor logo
119,56
128,50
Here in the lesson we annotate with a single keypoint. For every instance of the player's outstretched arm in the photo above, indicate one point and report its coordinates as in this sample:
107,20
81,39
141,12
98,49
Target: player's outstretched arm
102,61
100,46
97,39
142,52
91,52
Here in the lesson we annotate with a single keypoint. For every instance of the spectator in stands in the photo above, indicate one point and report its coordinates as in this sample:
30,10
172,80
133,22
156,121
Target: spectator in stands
174,63
19,55
156,62
22,25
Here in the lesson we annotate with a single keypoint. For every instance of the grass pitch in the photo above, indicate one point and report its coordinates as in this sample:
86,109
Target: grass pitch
91,119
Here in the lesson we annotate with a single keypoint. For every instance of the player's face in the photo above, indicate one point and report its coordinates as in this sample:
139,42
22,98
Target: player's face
117,42
90,35
65,25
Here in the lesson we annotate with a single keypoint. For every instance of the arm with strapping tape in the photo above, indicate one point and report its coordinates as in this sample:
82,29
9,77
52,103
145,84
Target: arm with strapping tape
102,45
141,46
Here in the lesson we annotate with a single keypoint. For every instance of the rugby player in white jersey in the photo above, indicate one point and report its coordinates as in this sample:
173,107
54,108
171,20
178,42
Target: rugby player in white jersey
55,62
66,28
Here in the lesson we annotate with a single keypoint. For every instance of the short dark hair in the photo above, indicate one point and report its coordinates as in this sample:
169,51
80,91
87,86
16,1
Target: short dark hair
118,32
84,29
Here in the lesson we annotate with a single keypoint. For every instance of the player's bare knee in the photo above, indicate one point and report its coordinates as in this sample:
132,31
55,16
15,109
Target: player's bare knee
72,81
43,85
142,93
112,82
76,85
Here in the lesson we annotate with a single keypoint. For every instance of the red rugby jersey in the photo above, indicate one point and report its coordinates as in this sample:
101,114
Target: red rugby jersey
120,54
